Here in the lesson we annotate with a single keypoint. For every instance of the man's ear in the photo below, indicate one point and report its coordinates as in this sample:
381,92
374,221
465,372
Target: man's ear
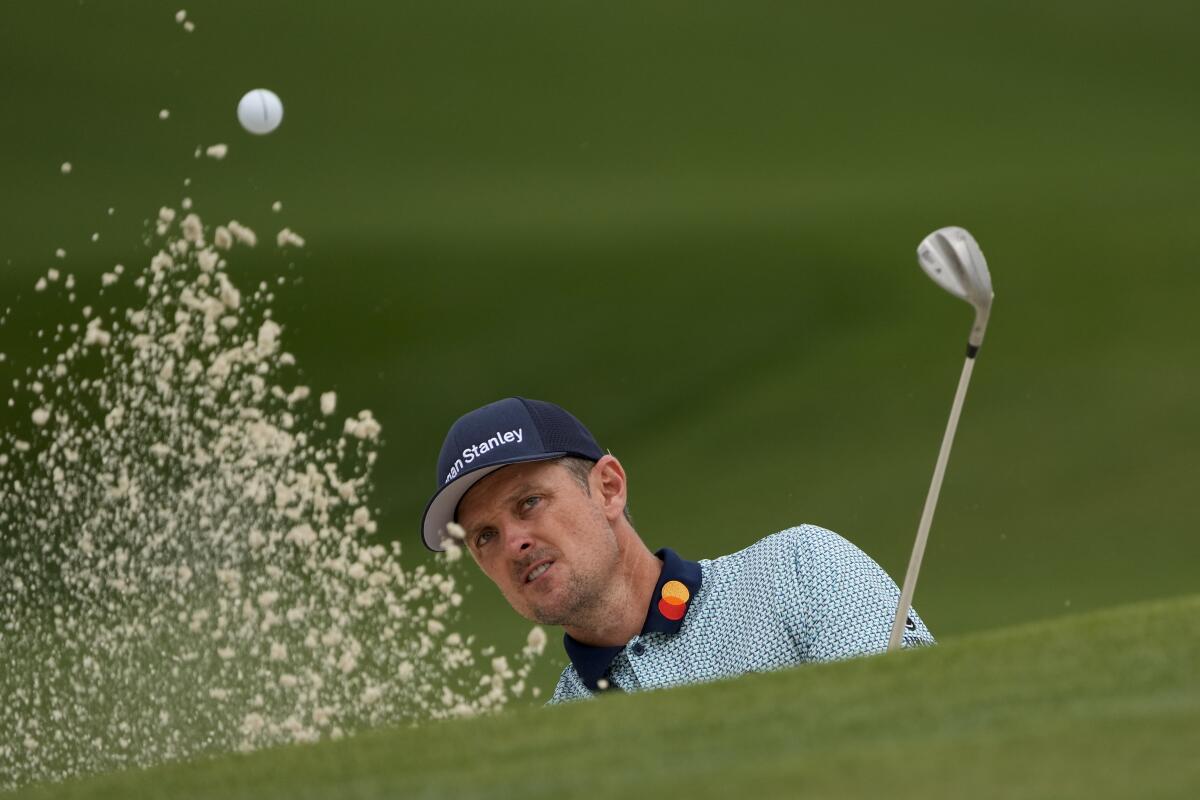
608,483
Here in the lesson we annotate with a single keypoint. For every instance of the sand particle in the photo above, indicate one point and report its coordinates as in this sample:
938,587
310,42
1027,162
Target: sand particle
288,237
242,234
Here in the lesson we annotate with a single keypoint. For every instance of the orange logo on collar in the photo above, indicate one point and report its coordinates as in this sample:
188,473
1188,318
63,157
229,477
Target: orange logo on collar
673,604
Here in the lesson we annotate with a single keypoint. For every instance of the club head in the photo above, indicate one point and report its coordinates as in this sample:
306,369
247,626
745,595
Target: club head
952,257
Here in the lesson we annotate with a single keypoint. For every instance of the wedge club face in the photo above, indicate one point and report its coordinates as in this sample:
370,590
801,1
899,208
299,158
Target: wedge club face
952,257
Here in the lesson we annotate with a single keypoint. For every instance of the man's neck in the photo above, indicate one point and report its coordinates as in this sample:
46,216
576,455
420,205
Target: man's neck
622,612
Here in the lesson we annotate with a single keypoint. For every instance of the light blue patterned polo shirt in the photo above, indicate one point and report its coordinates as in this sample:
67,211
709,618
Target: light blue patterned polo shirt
804,594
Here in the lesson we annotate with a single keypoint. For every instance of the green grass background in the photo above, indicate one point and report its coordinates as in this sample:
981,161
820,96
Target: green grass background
693,224
1104,705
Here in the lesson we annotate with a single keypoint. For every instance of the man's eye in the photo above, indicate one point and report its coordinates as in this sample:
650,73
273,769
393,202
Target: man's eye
483,538
530,502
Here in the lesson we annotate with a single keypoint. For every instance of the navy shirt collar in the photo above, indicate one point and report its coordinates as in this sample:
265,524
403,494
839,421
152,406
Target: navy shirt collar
593,662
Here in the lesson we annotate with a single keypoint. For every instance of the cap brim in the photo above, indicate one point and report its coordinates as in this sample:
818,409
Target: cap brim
443,505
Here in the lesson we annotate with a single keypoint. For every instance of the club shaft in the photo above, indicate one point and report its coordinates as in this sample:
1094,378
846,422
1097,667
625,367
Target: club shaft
935,488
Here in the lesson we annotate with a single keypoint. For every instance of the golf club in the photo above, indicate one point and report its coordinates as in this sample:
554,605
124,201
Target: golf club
953,259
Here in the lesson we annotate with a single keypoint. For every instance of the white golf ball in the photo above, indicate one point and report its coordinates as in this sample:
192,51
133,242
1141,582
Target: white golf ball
260,111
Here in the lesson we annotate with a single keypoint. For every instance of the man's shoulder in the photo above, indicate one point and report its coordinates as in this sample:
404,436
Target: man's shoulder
777,563
790,542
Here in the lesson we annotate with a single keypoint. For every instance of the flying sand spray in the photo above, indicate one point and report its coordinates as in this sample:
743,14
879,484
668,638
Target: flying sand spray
187,561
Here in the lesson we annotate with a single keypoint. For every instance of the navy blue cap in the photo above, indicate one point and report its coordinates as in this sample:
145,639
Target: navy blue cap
509,431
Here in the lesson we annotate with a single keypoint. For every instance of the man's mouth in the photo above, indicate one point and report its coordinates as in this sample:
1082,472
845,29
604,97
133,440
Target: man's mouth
538,571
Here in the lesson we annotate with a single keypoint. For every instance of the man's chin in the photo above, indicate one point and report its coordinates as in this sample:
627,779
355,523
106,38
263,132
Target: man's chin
550,610
554,602
548,614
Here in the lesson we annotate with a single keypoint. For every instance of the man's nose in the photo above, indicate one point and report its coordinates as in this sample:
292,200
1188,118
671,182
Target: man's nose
517,540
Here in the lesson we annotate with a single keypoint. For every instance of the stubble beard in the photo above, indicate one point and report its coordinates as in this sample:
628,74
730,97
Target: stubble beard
580,603
585,595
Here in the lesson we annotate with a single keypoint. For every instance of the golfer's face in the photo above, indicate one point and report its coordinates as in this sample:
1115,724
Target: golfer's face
538,534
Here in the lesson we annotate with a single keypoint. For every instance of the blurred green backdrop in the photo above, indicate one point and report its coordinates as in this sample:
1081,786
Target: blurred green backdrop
693,224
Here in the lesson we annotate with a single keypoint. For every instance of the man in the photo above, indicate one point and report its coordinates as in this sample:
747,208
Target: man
543,511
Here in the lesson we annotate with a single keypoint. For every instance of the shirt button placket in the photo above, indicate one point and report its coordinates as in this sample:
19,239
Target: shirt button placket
634,650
